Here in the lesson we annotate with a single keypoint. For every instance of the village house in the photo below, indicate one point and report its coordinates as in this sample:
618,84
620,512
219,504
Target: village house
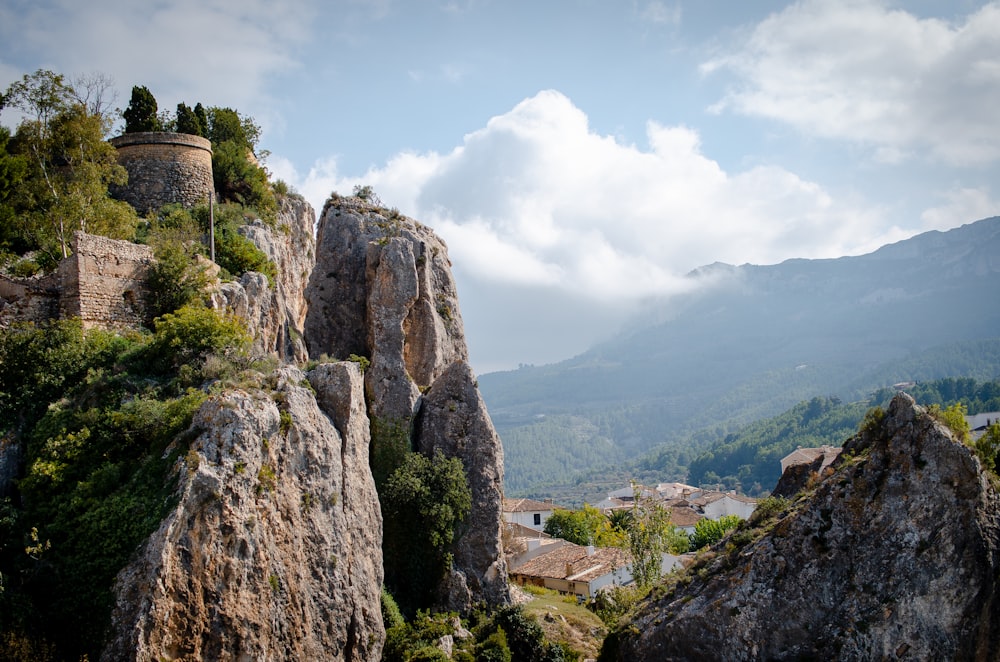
978,423
716,505
684,517
527,512
575,569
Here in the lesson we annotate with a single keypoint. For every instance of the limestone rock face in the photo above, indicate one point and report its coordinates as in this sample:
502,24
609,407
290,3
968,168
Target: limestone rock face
895,555
453,419
351,240
273,551
276,315
382,288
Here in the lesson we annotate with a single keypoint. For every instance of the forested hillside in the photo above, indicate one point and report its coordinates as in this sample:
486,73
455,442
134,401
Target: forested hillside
748,459
750,342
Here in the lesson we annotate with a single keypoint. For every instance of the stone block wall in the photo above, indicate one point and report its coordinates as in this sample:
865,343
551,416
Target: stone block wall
164,167
103,282
29,299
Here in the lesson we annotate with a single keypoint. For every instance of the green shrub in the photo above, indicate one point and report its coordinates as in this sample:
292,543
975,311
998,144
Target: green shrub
175,279
190,334
423,502
391,616
494,648
707,532
238,255
987,447
954,418
238,179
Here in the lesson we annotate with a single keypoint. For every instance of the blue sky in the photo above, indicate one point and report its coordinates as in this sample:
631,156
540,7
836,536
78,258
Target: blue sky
579,157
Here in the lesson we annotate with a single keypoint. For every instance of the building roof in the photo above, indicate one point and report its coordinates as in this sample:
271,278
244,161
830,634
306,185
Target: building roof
522,531
574,563
982,420
675,490
613,504
526,506
684,516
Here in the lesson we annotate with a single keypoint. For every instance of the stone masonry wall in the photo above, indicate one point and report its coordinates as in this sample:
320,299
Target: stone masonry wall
102,282
164,167
28,299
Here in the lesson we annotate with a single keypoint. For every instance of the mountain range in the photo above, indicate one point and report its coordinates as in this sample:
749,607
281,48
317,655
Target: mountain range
747,342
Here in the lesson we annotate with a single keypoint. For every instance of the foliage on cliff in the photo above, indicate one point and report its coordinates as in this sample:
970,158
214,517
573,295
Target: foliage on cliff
99,416
507,635
55,171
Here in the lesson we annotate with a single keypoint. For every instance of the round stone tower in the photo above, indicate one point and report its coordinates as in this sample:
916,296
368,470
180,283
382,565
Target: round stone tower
164,167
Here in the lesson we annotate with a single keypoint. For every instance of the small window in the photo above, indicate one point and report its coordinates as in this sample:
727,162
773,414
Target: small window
538,519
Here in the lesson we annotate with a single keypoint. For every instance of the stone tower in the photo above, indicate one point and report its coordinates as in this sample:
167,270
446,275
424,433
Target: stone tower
164,167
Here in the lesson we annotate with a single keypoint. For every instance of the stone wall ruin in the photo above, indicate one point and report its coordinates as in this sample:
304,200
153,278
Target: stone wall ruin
102,283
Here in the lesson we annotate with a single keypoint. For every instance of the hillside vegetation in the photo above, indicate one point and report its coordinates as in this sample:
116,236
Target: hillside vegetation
746,344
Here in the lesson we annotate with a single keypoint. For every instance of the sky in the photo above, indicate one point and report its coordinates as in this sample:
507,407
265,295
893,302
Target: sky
580,157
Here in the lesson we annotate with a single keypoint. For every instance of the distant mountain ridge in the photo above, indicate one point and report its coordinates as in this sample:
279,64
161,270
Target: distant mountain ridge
754,341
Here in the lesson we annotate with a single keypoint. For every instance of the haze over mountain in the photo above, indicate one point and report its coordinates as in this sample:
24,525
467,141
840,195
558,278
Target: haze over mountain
752,341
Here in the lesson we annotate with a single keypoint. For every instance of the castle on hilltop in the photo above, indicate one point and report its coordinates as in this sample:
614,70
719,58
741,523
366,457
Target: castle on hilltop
163,168
103,281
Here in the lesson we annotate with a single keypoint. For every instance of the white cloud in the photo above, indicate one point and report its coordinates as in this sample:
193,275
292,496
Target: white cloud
221,52
536,197
962,206
860,71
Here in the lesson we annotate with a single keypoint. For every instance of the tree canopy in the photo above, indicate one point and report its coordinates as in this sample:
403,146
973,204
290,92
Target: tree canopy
140,115
56,168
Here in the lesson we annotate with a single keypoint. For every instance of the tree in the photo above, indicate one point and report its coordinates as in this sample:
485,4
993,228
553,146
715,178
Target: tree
140,115
69,167
13,170
188,121
650,535
580,527
707,532
423,503
202,115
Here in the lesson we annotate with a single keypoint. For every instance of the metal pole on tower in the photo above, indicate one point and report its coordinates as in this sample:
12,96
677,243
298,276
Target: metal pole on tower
211,224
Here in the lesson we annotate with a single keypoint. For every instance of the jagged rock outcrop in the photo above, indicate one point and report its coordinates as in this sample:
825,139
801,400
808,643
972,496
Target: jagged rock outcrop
453,420
895,555
276,315
273,551
351,239
382,288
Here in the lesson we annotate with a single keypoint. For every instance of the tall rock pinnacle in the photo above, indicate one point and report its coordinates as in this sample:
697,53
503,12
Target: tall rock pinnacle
382,289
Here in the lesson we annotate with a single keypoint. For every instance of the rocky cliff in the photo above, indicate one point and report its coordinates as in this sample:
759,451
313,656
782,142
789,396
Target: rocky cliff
893,555
382,288
276,315
273,549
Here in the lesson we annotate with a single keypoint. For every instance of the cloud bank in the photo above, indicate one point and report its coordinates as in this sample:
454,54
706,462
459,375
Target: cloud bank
859,71
537,198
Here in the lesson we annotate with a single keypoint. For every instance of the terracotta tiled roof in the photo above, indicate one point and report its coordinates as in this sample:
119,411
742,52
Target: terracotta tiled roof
684,516
522,531
526,506
573,561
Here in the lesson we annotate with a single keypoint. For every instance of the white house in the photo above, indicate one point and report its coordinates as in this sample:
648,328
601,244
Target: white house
715,505
574,569
527,512
978,423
